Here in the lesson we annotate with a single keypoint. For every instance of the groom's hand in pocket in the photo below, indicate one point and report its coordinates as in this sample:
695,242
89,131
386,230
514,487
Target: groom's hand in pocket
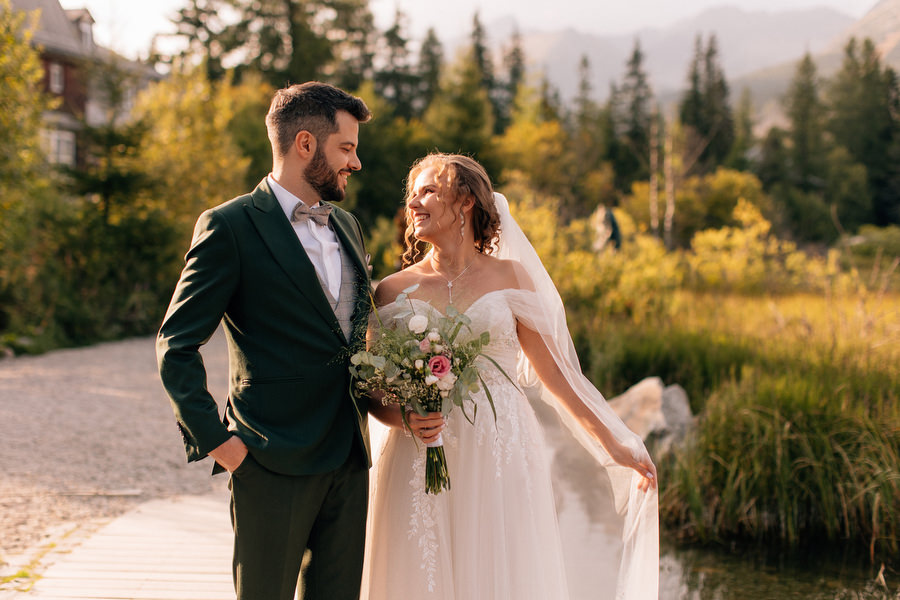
230,454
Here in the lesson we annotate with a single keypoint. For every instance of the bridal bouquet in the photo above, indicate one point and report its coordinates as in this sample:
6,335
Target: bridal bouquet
419,364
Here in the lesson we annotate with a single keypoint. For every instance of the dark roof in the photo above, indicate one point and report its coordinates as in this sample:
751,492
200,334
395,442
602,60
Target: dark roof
55,31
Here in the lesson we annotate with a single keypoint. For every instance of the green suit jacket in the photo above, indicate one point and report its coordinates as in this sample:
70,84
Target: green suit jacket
289,387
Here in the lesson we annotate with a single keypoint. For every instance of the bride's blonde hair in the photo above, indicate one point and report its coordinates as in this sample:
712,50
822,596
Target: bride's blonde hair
458,177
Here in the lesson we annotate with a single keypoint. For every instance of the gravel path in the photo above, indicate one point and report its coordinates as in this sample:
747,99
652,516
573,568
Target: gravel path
87,434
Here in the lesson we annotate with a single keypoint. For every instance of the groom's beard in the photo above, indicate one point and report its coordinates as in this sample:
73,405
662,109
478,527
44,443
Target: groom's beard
323,178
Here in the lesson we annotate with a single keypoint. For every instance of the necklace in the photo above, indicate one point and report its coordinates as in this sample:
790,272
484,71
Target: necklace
450,281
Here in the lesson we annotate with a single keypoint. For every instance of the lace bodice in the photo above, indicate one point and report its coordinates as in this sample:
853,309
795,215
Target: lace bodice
490,313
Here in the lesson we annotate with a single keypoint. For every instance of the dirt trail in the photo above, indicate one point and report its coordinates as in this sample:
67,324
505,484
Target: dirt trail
85,435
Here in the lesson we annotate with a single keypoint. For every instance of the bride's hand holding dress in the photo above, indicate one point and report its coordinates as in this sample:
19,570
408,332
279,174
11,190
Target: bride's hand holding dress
552,377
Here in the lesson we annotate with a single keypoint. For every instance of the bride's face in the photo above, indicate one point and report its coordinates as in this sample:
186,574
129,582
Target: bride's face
429,212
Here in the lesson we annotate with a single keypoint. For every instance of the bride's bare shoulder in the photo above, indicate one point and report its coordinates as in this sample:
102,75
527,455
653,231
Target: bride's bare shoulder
508,274
390,287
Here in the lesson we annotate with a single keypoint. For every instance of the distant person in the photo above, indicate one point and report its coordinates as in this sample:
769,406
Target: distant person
494,534
284,271
615,235
606,229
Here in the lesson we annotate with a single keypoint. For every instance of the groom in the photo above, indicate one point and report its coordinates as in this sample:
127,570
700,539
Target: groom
284,272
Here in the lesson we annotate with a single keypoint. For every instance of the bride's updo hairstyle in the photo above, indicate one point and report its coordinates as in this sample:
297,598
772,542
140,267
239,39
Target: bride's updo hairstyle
458,177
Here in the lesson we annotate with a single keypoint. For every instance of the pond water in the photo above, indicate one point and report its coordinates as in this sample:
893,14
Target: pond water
704,574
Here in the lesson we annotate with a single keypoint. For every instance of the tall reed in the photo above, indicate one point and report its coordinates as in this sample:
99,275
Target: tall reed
798,398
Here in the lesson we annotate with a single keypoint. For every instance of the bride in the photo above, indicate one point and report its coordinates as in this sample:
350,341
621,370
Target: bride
495,534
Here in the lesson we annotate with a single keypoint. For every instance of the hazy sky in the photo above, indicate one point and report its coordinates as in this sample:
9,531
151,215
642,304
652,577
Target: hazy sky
128,25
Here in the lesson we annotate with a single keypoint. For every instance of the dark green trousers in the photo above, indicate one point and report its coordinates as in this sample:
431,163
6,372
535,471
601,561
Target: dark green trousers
311,526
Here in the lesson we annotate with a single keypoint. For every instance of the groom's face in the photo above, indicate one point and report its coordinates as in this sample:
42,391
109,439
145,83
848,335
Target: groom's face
335,159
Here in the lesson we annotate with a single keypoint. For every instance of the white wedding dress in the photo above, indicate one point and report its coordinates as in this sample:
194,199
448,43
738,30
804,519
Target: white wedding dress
494,534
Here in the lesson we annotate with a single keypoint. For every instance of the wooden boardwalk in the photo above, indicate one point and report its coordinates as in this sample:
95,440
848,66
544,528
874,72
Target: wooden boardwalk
170,549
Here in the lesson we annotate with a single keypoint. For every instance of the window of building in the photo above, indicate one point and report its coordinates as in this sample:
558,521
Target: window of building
59,146
87,35
57,78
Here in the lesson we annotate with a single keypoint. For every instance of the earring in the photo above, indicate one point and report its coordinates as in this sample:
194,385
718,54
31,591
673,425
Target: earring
462,226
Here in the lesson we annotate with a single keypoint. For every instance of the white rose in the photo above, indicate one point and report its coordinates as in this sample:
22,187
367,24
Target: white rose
431,380
446,382
420,363
438,348
418,323
434,336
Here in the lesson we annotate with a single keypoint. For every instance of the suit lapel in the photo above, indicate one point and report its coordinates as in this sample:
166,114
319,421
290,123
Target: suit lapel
277,233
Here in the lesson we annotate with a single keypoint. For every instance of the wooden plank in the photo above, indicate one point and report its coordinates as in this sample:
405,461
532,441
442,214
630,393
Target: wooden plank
169,549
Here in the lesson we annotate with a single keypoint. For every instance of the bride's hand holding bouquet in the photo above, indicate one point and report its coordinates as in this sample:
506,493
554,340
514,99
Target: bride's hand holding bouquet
420,364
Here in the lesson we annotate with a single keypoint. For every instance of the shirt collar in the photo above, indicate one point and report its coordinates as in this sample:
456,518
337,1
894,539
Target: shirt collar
286,199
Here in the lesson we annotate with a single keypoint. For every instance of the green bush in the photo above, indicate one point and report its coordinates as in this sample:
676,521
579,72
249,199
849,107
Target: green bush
79,279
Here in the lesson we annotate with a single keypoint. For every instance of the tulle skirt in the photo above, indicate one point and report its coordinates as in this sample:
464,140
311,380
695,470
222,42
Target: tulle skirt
494,535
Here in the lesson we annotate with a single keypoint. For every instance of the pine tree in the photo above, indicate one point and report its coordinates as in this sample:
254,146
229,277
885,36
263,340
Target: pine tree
481,55
636,98
690,110
584,105
351,34
551,104
395,80
772,168
284,40
719,115
514,64
739,157
864,100
806,114
588,141
485,65
611,132
430,66
460,117
705,111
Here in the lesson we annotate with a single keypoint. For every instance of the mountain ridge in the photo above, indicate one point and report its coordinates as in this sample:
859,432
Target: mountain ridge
668,51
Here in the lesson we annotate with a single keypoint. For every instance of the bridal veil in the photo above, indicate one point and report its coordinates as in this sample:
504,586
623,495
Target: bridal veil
637,511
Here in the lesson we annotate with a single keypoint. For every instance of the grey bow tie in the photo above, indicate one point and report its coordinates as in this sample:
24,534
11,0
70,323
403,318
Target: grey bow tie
319,214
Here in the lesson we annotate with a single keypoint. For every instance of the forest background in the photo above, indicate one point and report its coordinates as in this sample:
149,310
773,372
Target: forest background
757,270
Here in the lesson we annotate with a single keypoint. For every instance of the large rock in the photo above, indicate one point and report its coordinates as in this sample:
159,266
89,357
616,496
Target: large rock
640,406
660,415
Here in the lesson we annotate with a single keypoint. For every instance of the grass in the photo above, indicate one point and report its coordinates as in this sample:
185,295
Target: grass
798,439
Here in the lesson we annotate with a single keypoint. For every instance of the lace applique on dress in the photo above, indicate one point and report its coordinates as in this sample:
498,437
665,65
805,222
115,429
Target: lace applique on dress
422,520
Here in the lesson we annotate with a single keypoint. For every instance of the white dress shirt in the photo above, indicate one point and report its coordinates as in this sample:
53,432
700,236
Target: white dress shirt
319,241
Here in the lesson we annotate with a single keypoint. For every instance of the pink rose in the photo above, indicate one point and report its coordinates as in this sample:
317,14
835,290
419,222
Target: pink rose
439,365
425,345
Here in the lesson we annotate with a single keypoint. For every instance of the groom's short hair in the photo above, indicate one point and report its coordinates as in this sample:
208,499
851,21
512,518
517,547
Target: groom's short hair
312,107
